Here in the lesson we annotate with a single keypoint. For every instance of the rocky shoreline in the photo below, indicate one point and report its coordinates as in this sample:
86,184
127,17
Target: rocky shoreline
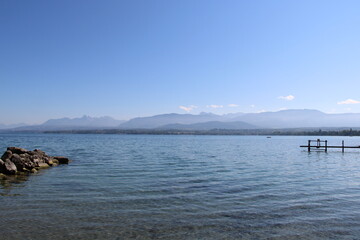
17,161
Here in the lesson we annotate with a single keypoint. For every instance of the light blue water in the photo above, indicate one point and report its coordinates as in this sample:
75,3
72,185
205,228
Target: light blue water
183,187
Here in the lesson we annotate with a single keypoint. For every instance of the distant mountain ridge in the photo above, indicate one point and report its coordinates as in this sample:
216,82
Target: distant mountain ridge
171,118
296,118
84,122
300,119
205,126
286,118
9,126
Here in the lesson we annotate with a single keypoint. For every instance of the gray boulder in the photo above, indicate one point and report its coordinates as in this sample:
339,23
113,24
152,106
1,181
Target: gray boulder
17,150
10,167
22,162
15,158
2,165
6,155
39,152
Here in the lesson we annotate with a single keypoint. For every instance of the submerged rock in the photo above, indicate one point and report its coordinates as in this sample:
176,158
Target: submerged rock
42,165
21,161
62,160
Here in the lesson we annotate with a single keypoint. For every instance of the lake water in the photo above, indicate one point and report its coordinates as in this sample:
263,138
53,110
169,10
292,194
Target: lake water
183,187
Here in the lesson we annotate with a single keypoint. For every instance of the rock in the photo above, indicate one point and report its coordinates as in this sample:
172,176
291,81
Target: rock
43,165
21,161
25,155
21,173
35,160
10,167
62,160
17,150
55,161
16,159
2,166
49,161
39,152
6,155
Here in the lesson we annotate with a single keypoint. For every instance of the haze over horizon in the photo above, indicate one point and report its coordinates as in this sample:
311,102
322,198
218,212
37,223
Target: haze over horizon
233,114
289,118
129,59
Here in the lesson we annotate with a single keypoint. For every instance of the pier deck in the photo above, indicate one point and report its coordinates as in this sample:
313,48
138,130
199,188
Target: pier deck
319,145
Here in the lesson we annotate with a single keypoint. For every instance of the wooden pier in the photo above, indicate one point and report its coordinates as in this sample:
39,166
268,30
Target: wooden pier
323,145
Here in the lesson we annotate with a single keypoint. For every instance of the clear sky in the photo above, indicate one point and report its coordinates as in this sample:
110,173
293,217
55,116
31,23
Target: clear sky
138,58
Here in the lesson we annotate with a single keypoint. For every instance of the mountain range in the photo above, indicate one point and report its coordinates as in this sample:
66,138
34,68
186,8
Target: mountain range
296,118
84,122
9,126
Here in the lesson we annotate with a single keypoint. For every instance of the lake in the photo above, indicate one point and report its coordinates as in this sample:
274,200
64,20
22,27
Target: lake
183,187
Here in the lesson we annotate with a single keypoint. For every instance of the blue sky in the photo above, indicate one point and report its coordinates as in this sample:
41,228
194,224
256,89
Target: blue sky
139,58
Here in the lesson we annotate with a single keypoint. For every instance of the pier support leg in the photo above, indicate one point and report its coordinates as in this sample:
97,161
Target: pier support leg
325,145
309,145
342,145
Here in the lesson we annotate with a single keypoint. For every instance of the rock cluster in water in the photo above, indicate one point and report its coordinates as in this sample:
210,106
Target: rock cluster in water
19,160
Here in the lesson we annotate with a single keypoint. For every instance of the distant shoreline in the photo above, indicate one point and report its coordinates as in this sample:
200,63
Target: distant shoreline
261,132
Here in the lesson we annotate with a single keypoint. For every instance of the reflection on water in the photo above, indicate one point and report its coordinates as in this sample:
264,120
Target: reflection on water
183,187
7,182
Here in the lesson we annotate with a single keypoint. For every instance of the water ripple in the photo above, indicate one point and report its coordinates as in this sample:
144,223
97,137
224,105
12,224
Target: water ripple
183,187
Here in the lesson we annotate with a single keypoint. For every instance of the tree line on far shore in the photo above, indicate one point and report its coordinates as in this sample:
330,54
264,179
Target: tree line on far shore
271,132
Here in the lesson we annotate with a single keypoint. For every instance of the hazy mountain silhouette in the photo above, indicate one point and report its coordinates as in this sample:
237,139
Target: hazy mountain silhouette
84,122
300,118
209,126
172,118
9,126
297,118
286,118
280,119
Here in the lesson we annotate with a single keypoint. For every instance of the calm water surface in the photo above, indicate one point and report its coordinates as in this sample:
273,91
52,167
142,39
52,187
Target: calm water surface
183,187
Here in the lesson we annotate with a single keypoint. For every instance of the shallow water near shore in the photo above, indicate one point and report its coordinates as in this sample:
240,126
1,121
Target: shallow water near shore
183,187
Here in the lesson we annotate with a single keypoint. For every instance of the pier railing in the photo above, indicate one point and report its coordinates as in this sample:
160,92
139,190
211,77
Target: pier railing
323,145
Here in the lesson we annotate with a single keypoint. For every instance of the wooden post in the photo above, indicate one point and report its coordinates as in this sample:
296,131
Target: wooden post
325,145
342,145
309,145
